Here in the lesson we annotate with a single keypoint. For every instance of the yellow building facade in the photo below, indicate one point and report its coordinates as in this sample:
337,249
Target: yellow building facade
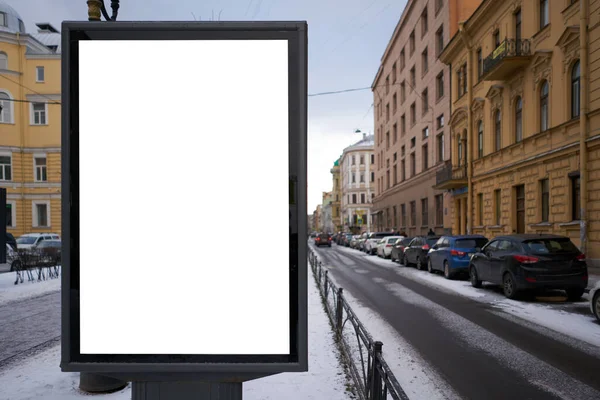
30,125
336,194
525,121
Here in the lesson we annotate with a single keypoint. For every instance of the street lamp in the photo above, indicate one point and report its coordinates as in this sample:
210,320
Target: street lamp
97,9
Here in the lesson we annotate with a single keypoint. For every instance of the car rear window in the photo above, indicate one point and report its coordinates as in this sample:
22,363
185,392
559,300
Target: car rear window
379,235
432,241
392,241
550,246
470,243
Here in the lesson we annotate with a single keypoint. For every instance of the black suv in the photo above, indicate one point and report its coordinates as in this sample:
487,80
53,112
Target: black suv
323,239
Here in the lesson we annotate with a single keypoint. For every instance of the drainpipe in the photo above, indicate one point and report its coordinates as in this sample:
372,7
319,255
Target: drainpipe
469,150
583,119
23,116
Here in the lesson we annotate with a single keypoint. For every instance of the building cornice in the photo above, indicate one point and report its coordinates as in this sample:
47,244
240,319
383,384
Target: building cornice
15,149
53,56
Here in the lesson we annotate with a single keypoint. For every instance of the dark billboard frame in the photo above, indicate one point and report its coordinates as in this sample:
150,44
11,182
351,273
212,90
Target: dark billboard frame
161,366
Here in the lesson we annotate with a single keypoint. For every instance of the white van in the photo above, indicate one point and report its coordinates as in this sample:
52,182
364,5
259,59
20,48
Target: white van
31,240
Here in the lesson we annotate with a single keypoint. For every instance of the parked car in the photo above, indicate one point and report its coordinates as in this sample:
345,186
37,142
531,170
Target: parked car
531,261
398,249
10,239
594,296
416,252
323,239
384,248
30,240
354,241
373,239
347,239
12,260
451,254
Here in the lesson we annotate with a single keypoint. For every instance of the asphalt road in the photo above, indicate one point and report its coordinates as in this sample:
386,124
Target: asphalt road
479,353
28,325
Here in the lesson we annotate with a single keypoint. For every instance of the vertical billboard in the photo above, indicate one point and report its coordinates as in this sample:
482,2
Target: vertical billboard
173,134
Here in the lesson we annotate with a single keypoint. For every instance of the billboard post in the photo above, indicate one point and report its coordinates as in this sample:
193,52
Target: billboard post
210,113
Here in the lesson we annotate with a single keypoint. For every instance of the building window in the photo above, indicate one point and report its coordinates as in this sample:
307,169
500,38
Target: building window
480,139
518,26
353,177
519,120
413,114
545,189
413,213
402,171
5,168
497,206
38,111
440,122
395,174
41,214
413,165
362,178
439,210
394,73
372,158
424,23
372,176
6,115
413,78
438,5
480,209
479,64
3,21
575,198
362,198
464,75
395,156
387,140
387,84
497,130
544,13
11,214
353,160
387,179
402,92
439,41
402,151
402,60
395,132
39,74
3,59
424,212
387,112
426,133
394,103
544,91
425,155
395,222
424,61
403,214
439,84
41,169
362,160
496,39
411,42
461,76
413,142
575,90
460,151
354,198
440,147
425,99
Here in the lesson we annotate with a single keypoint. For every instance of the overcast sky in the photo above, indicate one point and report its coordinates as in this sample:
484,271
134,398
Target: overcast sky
346,41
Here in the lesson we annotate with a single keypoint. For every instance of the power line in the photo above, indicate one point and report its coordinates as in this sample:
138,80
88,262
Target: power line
25,87
31,101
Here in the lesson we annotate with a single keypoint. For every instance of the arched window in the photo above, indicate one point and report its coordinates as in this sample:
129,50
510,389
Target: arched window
575,90
3,60
519,119
6,115
460,151
480,139
544,117
497,131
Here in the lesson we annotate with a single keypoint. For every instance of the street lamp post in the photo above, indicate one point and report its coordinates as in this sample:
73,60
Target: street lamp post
88,382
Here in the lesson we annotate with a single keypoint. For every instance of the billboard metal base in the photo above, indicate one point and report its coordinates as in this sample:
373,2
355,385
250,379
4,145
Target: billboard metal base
186,391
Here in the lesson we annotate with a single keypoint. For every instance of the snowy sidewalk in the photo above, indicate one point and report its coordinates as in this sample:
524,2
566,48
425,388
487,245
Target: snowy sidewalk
39,376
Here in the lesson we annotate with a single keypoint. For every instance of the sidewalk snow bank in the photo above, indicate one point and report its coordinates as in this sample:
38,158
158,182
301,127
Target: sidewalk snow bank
39,377
10,292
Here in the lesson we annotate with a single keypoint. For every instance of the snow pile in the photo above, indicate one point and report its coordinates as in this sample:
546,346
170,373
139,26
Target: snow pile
10,292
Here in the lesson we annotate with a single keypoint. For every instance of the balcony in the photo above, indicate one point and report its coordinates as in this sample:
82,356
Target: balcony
510,56
450,177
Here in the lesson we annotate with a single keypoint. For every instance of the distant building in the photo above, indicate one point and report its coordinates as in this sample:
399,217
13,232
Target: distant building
358,177
327,212
336,193
30,124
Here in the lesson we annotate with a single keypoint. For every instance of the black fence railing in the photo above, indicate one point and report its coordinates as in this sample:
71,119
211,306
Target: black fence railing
370,373
508,48
448,172
37,265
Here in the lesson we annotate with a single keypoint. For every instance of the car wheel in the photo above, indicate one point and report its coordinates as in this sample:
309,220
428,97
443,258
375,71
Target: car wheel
508,286
430,267
475,282
447,273
596,305
404,260
419,266
575,294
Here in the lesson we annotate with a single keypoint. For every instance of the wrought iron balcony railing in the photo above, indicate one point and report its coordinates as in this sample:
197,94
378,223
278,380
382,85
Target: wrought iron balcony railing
449,172
508,48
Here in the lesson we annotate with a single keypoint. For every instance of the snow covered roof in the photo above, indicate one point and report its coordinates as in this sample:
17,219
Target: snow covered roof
49,36
366,141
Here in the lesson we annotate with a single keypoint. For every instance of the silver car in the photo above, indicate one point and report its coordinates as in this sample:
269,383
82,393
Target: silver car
594,296
12,260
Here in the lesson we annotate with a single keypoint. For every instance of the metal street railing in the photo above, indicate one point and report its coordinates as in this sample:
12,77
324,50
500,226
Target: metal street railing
370,373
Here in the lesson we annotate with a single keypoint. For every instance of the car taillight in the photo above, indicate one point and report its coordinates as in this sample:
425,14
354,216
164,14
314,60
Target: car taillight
457,253
318,238
526,259
580,257
426,247
388,245
329,239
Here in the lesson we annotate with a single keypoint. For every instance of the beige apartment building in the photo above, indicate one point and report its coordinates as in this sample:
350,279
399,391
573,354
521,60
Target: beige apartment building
525,124
336,194
412,108
358,177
